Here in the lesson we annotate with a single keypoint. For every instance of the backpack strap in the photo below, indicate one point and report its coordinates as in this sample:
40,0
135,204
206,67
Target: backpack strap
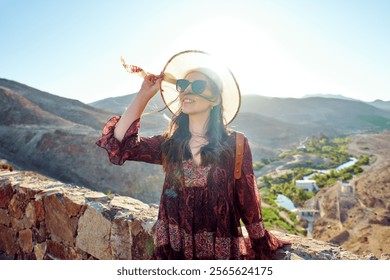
239,155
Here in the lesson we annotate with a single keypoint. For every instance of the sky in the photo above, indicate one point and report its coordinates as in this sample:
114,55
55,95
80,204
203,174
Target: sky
274,48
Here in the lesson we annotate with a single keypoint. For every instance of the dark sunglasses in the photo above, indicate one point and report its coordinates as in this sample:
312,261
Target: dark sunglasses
197,86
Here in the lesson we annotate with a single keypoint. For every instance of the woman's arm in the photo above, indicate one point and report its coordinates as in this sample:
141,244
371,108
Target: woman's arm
120,134
148,89
249,205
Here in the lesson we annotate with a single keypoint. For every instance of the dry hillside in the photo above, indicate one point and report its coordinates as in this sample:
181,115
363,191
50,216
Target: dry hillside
359,219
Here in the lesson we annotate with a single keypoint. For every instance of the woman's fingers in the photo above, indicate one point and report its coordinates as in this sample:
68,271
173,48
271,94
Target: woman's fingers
151,85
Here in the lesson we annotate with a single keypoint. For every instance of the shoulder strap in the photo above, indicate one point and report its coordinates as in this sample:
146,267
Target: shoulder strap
239,155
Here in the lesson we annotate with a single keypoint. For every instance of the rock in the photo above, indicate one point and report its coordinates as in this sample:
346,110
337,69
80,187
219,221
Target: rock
6,193
25,240
40,250
8,241
93,235
5,219
121,239
45,219
59,223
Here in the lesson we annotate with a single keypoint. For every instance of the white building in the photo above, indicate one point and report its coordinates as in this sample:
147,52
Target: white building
308,185
309,215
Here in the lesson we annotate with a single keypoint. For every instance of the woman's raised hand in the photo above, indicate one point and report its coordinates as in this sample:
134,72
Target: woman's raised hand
150,86
148,89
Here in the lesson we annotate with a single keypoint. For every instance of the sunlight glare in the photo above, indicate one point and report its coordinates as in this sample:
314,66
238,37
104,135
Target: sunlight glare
259,64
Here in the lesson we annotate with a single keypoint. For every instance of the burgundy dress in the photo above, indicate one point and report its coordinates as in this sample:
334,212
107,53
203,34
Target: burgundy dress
201,206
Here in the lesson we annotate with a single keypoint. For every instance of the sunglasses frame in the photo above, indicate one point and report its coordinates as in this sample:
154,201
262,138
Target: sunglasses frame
194,86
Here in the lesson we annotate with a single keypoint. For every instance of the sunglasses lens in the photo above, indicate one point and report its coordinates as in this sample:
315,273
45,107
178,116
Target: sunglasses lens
181,85
198,86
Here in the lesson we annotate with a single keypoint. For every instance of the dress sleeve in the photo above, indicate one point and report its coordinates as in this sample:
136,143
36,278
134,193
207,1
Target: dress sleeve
262,241
132,147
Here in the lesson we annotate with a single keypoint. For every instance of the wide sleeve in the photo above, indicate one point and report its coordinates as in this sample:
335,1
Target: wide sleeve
132,147
248,202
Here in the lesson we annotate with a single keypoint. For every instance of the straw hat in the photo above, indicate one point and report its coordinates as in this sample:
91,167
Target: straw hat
182,63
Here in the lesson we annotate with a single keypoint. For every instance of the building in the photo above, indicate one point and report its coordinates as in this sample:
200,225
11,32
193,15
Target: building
308,185
308,214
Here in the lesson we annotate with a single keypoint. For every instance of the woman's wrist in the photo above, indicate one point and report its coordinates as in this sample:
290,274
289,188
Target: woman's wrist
143,97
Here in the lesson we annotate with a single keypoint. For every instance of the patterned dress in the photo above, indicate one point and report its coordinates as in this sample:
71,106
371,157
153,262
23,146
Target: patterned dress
201,206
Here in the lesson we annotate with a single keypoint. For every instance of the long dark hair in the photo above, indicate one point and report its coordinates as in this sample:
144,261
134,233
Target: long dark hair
176,146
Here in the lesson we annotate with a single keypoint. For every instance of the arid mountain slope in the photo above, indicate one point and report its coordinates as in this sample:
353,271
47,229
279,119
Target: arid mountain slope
56,136
359,220
68,109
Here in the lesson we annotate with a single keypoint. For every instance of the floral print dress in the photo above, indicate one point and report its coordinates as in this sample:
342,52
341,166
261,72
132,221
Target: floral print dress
201,206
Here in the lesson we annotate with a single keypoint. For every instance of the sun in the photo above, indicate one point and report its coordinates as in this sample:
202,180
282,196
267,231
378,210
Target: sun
260,65
243,47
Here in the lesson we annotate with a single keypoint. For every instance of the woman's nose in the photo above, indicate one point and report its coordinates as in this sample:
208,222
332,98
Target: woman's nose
187,90
182,94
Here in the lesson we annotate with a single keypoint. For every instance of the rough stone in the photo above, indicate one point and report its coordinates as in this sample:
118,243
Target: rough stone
93,234
121,239
131,204
39,210
143,240
57,219
39,233
30,218
74,205
40,250
16,206
8,241
4,217
96,196
6,193
58,251
58,222
25,240
17,224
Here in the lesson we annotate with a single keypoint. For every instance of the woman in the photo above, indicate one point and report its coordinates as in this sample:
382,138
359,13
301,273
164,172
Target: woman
201,203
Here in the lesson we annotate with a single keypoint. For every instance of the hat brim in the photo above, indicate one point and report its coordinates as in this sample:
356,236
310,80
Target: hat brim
180,64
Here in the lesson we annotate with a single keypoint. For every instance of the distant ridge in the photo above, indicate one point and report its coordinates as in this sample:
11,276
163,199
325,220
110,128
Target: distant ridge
56,136
67,109
27,113
119,104
384,105
328,95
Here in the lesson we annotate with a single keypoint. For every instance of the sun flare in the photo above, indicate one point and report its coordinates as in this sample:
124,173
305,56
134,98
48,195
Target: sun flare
259,64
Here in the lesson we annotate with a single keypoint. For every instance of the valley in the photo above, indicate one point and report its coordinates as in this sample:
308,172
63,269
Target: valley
56,137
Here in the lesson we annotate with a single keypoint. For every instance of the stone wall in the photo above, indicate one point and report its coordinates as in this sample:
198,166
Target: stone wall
41,218
45,219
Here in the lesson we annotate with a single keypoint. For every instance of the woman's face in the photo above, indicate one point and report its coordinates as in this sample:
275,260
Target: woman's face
192,104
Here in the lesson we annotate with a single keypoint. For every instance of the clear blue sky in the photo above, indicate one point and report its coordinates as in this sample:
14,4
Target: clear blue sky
275,48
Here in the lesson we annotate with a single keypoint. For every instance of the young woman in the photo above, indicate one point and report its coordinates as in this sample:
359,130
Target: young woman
202,203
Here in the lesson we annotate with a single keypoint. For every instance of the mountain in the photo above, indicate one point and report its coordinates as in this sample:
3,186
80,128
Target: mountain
272,124
17,110
67,109
333,115
358,218
384,105
328,95
56,136
70,227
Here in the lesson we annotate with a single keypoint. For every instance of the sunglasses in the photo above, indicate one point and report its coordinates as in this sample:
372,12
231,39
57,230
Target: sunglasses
197,86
